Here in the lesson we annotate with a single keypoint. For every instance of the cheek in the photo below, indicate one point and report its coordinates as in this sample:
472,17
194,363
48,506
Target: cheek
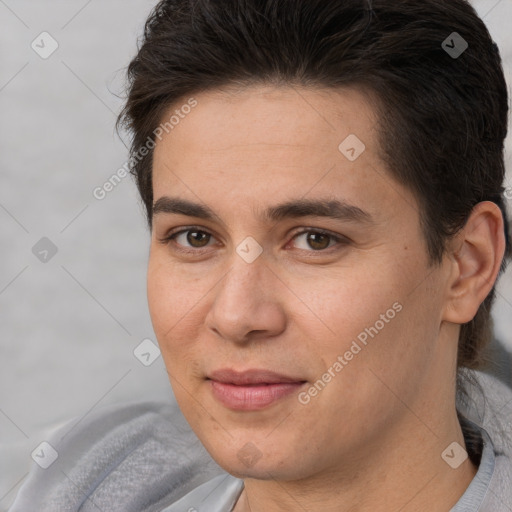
178,303
161,298
172,315
168,307
172,297
345,301
370,318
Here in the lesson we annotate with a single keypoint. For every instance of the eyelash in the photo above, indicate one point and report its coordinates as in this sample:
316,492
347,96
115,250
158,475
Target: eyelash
172,236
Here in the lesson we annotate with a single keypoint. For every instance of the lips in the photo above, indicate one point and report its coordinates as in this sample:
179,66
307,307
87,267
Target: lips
251,389
248,377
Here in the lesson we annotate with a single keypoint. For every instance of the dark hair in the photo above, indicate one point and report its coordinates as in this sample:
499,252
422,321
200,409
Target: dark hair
442,116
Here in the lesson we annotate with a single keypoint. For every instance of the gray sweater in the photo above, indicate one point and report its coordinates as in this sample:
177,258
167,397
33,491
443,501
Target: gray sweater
143,457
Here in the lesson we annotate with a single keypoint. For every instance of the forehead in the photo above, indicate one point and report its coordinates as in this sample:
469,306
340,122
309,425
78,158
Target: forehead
264,144
271,117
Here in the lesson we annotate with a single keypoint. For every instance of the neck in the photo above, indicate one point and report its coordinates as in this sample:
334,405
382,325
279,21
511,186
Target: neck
400,471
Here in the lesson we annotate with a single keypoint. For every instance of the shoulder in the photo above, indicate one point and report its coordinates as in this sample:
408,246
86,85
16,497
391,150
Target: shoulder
488,403
137,456
143,456
217,495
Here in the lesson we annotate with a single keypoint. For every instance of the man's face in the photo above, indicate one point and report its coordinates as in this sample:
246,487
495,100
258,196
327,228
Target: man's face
340,303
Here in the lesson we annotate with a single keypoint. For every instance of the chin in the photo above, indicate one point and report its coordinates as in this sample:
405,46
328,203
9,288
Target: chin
250,462
259,471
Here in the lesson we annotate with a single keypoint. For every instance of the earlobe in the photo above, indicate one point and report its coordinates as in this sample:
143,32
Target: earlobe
477,253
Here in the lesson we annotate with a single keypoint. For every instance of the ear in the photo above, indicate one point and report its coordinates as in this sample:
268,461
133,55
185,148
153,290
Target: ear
475,253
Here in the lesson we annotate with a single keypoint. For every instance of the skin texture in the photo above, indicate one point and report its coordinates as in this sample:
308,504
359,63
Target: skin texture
372,438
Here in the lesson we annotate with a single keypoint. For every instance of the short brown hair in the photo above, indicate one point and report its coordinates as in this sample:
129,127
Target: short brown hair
442,117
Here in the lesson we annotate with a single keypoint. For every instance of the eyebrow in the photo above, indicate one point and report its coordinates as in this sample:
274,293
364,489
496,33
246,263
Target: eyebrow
328,208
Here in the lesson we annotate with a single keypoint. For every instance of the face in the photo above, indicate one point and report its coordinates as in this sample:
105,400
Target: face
289,289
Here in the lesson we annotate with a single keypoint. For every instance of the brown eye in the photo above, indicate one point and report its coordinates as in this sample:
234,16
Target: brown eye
189,239
318,241
198,239
312,240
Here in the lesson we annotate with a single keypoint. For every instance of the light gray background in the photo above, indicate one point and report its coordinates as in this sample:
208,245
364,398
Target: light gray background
69,326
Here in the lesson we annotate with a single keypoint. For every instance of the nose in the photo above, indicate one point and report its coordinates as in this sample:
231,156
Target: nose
247,303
